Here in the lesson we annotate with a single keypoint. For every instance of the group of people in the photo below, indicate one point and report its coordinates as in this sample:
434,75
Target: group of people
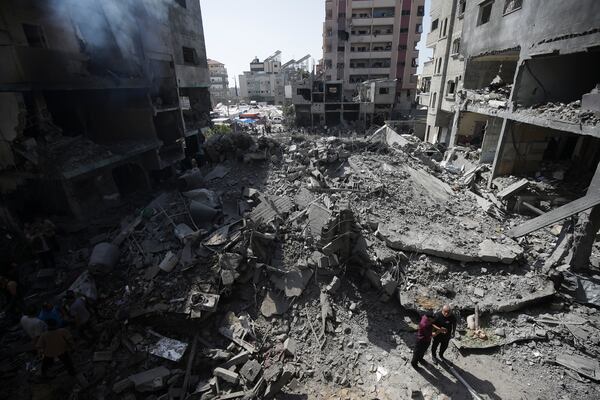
439,328
50,329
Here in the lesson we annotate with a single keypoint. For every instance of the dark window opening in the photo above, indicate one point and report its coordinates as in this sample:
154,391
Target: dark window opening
419,28
462,5
512,5
434,24
420,11
181,3
485,12
384,90
451,87
189,55
405,12
456,46
35,36
403,30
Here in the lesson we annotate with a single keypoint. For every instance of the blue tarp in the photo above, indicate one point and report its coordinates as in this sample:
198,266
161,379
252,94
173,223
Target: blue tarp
245,120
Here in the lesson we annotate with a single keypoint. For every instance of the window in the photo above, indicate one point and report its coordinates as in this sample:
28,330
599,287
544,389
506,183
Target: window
402,47
512,5
434,24
462,5
420,11
189,55
433,99
384,90
415,62
403,30
450,87
456,46
405,12
181,3
419,28
444,27
341,49
485,11
35,35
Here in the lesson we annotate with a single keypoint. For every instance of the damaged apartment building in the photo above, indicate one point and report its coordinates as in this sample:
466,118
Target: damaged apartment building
98,99
517,80
369,64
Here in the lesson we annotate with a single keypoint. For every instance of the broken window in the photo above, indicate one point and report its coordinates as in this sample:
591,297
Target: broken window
512,5
189,55
456,46
341,49
419,28
434,24
181,3
485,12
415,62
384,90
35,35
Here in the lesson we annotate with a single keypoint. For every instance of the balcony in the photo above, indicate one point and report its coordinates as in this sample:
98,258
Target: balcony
369,71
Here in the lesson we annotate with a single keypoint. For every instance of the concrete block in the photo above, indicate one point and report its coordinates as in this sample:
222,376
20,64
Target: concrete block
226,375
241,358
290,346
104,257
250,370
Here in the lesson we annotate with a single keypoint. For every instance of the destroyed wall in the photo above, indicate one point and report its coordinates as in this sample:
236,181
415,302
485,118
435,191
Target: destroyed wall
481,71
557,78
558,24
481,131
526,146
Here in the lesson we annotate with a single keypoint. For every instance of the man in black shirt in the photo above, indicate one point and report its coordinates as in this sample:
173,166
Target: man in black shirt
445,324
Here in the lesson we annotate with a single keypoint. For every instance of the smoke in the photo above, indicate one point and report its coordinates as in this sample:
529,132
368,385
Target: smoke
110,27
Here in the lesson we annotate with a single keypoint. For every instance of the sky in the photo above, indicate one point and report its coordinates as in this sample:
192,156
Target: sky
236,31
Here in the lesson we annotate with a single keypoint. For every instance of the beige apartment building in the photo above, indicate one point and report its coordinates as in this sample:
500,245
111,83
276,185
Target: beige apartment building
443,74
373,39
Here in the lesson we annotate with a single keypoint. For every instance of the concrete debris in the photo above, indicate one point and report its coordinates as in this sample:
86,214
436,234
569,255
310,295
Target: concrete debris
295,268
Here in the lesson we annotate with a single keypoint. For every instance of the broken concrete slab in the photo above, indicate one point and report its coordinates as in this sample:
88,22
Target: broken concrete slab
275,387
512,189
169,261
426,242
150,380
441,245
168,348
318,216
205,196
290,346
590,368
507,253
226,375
273,304
437,190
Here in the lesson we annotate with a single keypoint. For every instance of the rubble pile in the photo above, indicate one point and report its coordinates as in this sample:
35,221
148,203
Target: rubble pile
566,112
494,97
281,266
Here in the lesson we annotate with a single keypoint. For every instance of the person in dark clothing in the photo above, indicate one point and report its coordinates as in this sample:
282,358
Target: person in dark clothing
424,334
445,324
55,343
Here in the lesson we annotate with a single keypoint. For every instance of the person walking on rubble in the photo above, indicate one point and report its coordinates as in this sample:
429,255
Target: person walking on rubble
445,324
424,334
55,343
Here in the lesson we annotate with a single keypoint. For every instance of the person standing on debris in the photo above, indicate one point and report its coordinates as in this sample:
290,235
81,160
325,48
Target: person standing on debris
445,324
76,308
14,300
50,311
55,343
32,325
424,334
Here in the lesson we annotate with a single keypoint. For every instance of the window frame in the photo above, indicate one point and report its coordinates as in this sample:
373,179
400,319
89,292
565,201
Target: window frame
506,2
482,6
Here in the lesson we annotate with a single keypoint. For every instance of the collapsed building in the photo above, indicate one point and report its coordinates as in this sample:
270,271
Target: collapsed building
99,100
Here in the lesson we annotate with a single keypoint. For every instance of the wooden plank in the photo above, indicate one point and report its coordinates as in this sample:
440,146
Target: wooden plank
512,189
556,215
